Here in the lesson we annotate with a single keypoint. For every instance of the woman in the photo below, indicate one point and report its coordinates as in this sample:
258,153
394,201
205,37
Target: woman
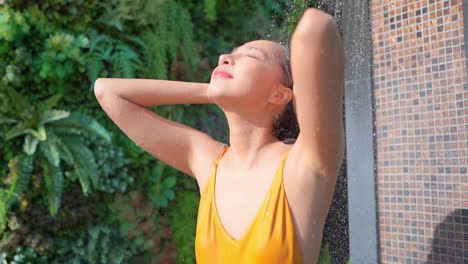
262,200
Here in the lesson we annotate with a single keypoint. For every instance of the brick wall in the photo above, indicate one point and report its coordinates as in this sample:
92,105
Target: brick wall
421,120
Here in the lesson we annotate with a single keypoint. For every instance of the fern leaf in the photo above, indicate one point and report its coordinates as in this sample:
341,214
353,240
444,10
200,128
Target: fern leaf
50,151
22,174
97,38
54,183
85,160
115,24
20,102
155,54
30,144
63,131
52,115
136,40
19,129
3,210
82,122
5,120
94,68
126,60
70,157
48,103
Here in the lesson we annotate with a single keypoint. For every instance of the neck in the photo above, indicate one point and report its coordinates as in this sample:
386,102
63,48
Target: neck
249,137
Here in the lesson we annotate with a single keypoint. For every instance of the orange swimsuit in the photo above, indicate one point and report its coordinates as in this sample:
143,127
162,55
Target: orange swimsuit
270,239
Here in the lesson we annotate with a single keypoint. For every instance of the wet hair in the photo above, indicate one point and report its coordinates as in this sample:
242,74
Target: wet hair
285,125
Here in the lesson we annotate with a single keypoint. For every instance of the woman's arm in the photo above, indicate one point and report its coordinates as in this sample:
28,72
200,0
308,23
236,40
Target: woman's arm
150,92
317,63
182,147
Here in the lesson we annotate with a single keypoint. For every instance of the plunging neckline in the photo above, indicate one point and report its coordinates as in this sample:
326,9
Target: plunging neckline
259,210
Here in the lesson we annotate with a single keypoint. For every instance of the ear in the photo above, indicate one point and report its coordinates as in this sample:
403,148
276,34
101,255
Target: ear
281,95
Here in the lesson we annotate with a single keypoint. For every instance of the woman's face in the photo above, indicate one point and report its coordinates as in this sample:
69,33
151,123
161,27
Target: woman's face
254,71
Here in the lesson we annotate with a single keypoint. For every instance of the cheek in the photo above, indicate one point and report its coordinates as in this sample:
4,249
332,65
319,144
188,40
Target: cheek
256,75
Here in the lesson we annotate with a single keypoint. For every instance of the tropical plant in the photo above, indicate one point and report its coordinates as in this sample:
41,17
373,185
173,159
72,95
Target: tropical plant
111,57
56,134
140,223
185,207
98,244
23,255
111,165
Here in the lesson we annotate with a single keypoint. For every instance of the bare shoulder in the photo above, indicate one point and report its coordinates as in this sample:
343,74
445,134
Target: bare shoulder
204,159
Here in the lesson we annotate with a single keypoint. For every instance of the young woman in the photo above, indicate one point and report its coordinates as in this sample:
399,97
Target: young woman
262,200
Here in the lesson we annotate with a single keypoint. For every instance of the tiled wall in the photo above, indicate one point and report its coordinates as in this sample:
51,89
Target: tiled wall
421,120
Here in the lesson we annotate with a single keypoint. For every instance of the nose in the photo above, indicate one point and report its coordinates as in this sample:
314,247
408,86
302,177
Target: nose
225,58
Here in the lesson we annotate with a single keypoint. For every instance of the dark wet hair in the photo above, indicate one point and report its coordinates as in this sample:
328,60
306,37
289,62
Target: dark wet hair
285,125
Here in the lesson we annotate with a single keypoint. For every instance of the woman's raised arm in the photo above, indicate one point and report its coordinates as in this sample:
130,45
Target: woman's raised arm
317,63
150,92
182,147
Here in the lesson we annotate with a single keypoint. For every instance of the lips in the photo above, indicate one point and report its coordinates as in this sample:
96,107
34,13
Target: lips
222,74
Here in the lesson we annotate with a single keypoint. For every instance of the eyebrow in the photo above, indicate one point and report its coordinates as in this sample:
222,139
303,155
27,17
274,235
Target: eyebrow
251,47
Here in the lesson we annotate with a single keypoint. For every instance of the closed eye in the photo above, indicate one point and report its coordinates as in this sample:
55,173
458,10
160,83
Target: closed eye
248,56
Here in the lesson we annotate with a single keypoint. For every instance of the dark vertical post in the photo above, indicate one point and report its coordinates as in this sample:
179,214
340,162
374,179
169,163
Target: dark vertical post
359,102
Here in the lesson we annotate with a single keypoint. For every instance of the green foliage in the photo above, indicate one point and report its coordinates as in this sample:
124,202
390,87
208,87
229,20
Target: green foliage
229,28
54,58
97,244
169,39
75,17
111,57
325,257
136,154
140,222
23,255
293,14
162,184
185,207
60,58
110,161
13,25
55,131
18,178
210,9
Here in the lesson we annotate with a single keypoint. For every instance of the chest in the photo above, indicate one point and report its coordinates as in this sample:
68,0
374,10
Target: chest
239,198
239,201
